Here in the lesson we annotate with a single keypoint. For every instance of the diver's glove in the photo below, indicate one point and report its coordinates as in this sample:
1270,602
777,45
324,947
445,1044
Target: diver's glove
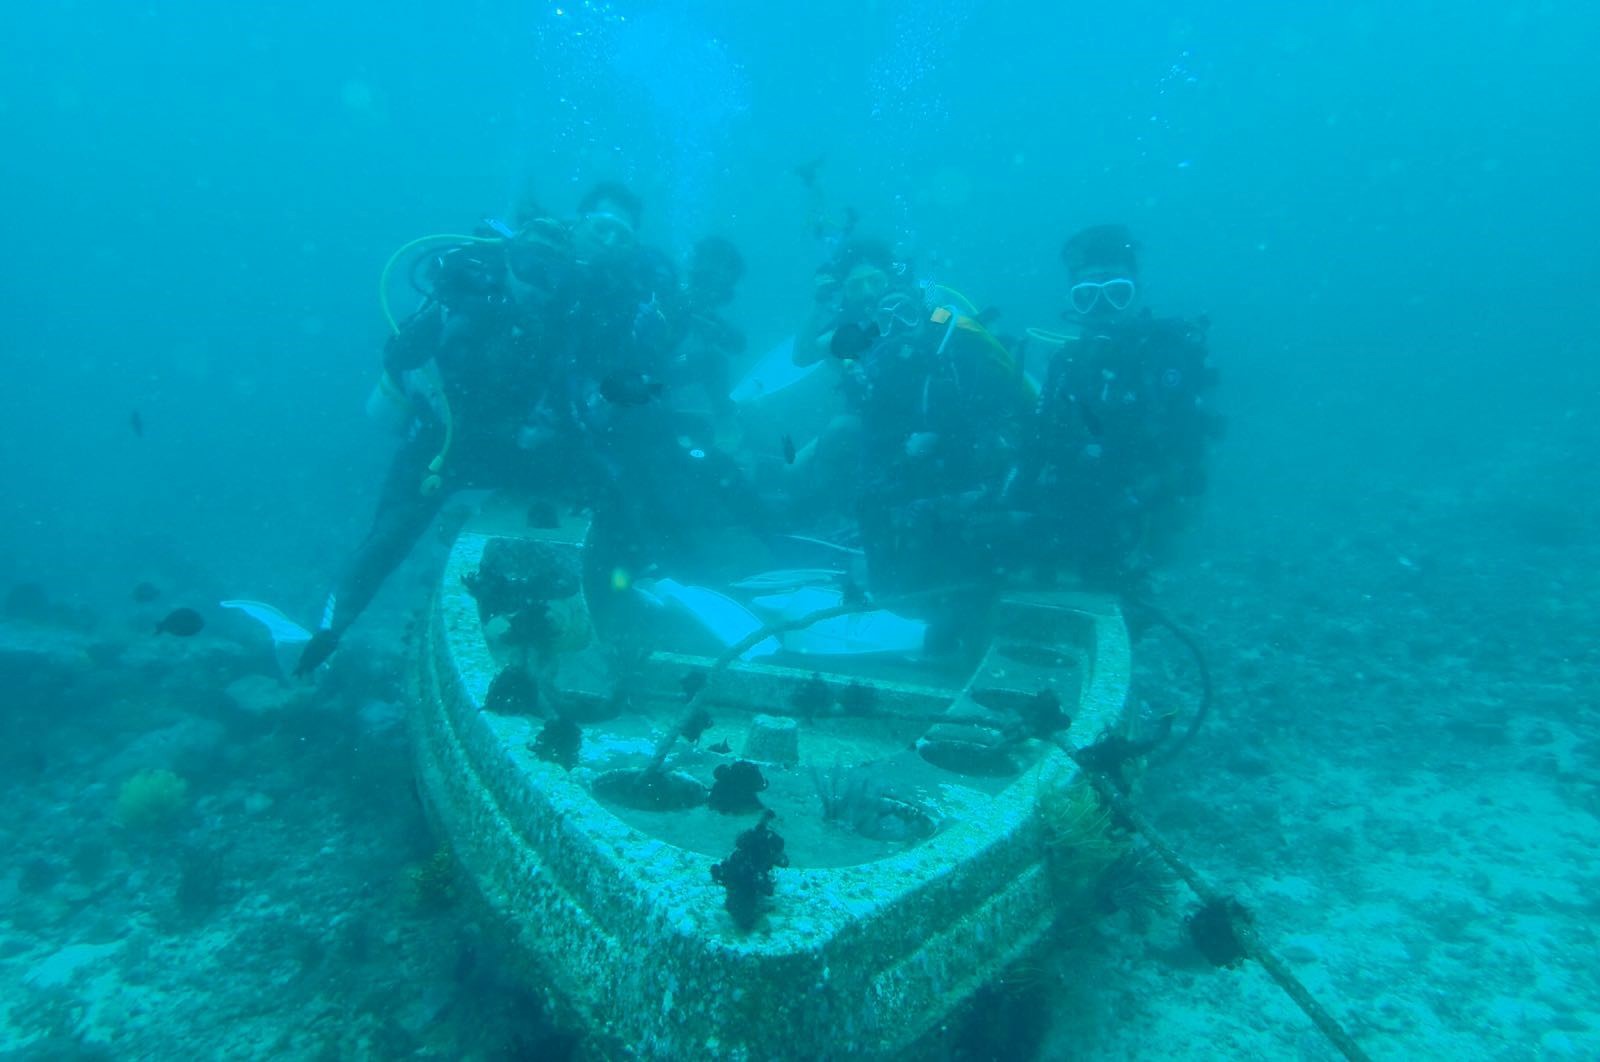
318,649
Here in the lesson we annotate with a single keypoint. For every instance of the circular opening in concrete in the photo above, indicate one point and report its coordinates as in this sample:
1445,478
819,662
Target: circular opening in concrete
645,790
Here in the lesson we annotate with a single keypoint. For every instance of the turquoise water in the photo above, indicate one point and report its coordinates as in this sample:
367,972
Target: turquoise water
1384,212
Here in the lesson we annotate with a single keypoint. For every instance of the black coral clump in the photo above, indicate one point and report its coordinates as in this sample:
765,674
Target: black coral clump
747,873
735,787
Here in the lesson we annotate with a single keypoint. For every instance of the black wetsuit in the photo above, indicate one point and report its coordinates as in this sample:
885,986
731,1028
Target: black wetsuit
940,412
499,397
1120,439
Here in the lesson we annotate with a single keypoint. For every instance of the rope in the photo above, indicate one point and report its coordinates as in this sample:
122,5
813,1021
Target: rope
1244,932
1189,642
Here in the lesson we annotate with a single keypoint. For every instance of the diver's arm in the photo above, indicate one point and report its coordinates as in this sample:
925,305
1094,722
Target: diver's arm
814,343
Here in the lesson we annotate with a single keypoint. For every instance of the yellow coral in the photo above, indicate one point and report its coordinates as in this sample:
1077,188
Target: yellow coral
1080,839
152,799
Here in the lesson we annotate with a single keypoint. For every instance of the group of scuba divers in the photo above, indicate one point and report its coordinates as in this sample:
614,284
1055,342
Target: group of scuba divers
568,361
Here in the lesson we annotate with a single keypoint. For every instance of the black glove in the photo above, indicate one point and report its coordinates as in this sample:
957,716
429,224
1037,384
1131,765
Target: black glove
318,649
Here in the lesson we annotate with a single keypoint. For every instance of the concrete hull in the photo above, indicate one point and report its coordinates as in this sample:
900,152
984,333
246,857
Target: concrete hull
867,946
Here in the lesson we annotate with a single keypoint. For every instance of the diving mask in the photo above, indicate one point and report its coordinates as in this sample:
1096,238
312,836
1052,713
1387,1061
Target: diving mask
604,229
1118,292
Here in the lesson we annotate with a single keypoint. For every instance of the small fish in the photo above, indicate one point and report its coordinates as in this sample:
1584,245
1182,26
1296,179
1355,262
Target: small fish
136,422
788,449
145,593
691,684
721,748
181,622
630,389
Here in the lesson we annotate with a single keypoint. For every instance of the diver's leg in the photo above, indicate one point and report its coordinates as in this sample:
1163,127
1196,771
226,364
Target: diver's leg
404,512
824,475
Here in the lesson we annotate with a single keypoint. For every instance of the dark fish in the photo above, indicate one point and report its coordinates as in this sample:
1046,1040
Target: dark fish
182,622
788,449
136,422
145,593
850,341
630,389
721,748
691,684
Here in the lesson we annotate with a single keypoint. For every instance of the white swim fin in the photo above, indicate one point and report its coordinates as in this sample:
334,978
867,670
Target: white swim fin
288,637
722,617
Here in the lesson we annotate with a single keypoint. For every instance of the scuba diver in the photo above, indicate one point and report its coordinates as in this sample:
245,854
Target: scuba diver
1122,424
939,405
847,291
660,486
507,376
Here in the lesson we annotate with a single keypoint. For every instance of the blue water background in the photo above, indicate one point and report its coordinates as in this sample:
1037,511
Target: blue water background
1388,212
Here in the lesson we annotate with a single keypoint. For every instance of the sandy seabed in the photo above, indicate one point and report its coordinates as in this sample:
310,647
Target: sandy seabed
1400,778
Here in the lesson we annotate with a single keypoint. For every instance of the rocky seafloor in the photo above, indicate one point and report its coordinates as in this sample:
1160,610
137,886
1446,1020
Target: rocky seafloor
1400,778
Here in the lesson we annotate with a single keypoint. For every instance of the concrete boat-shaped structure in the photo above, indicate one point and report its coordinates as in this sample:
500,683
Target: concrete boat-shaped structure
916,850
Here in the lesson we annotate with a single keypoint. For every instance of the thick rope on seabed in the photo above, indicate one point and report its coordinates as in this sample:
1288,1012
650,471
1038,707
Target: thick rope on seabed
1243,931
